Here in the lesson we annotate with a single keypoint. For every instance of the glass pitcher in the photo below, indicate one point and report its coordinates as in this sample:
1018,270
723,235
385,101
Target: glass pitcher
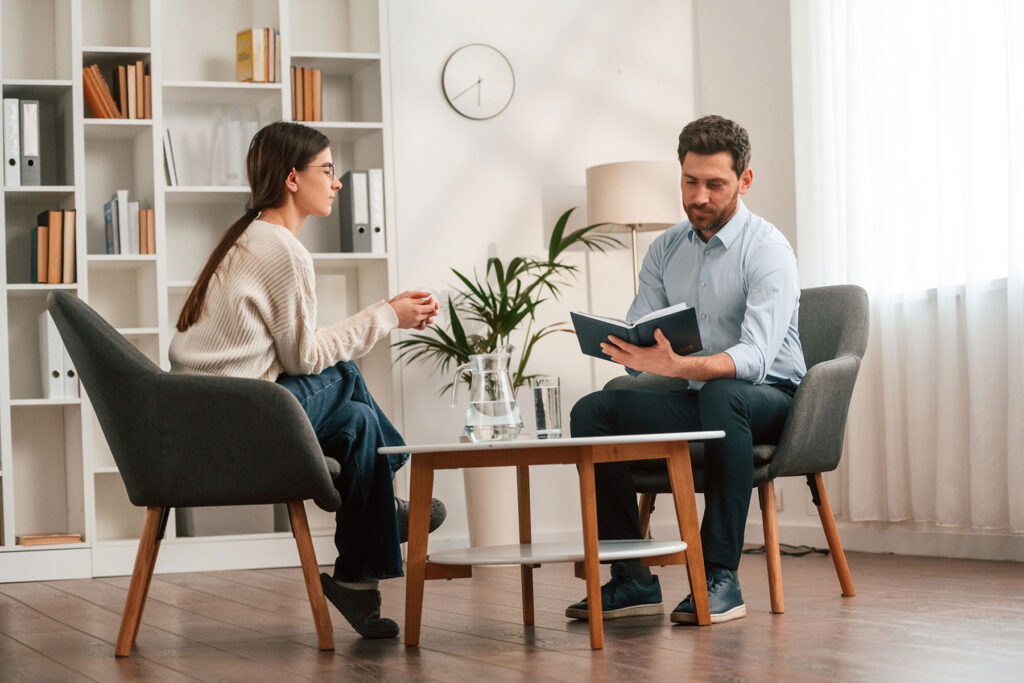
492,413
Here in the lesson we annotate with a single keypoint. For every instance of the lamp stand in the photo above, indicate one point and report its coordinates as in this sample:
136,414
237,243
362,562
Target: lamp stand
636,269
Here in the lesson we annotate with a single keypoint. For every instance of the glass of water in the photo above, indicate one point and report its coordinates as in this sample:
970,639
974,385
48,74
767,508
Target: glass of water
547,401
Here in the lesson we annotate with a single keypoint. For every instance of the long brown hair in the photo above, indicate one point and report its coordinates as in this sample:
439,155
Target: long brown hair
274,151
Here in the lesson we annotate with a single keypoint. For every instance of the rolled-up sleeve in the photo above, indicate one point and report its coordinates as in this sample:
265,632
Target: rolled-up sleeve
773,292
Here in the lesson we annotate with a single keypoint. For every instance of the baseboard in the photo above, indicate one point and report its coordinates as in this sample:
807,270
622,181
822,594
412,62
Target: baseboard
900,538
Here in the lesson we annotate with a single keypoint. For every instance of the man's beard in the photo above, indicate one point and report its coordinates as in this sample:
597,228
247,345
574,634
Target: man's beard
713,223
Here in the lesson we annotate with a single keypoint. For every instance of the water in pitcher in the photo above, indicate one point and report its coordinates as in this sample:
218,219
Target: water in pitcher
492,420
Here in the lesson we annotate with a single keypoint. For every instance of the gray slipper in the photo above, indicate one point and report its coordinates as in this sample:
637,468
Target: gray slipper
361,608
437,516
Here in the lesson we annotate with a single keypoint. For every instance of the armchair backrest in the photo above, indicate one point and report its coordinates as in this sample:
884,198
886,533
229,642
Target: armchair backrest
833,322
188,440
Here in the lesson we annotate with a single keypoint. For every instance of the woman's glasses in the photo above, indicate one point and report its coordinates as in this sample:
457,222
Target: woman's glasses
328,167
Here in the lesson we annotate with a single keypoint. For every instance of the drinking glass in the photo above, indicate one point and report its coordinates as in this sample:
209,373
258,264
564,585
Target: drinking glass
547,402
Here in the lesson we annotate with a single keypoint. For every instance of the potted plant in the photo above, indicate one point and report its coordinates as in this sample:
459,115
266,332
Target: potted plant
483,314
486,310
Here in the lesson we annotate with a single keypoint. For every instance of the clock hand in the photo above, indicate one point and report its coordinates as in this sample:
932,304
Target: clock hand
475,85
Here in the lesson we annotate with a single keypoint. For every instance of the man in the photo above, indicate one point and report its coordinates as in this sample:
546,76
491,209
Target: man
740,274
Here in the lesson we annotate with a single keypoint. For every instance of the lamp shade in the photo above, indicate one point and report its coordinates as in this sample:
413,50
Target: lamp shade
644,195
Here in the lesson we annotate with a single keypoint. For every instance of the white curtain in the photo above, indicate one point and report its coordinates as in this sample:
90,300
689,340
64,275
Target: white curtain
909,122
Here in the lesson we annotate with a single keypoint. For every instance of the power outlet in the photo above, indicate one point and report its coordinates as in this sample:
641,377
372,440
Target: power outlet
778,499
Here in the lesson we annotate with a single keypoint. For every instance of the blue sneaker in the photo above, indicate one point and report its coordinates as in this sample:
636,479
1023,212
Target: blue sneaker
622,597
724,598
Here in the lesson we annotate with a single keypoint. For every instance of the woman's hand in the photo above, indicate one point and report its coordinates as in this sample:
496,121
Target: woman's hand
415,310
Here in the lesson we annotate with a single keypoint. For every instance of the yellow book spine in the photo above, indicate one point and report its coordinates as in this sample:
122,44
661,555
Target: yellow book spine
243,55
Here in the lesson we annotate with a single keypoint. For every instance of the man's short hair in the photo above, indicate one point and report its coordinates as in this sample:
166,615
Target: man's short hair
713,134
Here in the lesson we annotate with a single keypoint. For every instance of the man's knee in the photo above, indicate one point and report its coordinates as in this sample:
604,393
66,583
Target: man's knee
591,415
719,399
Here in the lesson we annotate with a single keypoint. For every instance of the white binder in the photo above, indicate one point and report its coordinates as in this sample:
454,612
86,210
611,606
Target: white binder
30,143
355,213
375,181
12,146
133,228
51,357
70,375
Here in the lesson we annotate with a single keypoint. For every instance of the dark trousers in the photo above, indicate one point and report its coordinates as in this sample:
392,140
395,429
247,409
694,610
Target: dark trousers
351,427
748,414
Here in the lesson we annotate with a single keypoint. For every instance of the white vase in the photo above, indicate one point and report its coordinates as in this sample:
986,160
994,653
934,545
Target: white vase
491,505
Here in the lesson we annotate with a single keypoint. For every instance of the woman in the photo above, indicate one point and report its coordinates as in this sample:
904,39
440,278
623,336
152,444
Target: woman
252,313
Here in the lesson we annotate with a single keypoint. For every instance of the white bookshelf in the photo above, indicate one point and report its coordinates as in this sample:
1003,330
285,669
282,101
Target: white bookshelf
56,471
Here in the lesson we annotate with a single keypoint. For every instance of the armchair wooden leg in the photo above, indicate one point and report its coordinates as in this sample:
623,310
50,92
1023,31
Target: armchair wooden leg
828,523
646,508
766,496
145,591
142,575
307,557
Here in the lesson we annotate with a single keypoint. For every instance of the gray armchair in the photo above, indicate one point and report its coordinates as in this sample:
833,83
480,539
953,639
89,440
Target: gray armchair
187,440
834,335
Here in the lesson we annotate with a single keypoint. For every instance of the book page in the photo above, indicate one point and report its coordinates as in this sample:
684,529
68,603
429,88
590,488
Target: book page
662,312
606,319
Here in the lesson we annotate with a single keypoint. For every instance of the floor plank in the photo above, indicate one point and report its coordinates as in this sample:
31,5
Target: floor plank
920,618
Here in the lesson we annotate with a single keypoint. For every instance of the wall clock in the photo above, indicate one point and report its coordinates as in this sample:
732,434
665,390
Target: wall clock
478,81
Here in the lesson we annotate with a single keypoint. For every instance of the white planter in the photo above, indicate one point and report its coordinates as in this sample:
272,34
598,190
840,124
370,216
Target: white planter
491,505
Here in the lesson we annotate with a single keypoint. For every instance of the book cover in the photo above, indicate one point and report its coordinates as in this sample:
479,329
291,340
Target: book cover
147,98
243,55
151,230
55,247
317,94
12,143
140,90
277,56
30,170
292,83
120,199
68,255
678,323
133,101
92,95
51,357
121,86
300,94
134,236
40,250
307,94
108,226
143,233
169,165
109,106
47,539
268,55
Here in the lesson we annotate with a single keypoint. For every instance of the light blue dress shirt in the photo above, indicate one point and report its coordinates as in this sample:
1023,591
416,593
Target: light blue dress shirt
744,286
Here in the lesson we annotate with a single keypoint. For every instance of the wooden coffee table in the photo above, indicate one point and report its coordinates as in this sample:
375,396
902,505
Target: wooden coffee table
584,453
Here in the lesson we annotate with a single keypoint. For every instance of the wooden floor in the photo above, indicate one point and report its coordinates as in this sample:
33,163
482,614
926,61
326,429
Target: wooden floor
917,618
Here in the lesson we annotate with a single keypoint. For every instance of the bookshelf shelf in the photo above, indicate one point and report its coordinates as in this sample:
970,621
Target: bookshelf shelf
336,63
58,473
44,402
116,129
207,194
23,289
218,92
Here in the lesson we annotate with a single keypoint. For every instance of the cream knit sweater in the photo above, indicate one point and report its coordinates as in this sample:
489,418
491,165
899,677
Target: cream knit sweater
259,318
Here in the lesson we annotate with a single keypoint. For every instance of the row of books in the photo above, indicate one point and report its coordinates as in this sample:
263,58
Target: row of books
258,55
307,94
361,208
53,248
128,229
21,142
60,380
131,97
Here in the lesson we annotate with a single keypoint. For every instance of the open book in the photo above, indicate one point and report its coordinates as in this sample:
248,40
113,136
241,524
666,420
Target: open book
678,323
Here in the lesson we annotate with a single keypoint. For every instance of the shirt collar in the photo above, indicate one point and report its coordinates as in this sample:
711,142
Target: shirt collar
731,230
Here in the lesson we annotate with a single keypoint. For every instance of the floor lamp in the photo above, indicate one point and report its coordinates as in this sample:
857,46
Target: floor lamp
634,196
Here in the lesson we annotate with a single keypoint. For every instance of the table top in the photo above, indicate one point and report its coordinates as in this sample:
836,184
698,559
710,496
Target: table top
551,443
540,553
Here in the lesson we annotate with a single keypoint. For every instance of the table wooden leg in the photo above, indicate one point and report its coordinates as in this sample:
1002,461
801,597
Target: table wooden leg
681,477
523,484
420,488
588,501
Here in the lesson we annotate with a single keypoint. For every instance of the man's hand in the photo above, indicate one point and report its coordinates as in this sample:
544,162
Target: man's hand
415,310
659,359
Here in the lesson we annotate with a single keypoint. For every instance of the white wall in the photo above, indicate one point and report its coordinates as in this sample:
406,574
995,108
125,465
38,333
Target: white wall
596,81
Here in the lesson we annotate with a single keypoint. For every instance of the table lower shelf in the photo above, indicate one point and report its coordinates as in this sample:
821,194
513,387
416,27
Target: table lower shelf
540,553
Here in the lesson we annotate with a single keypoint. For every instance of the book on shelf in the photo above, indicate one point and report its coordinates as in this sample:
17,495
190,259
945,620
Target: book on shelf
98,94
29,128
120,201
47,539
298,113
108,228
277,56
307,95
151,230
317,94
678,323
133,97
54,220
140,90
12,143
147,96
258,55
169,166
68,251
134,241
120,79
40,248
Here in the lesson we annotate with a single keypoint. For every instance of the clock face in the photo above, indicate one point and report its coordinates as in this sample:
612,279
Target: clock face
478,81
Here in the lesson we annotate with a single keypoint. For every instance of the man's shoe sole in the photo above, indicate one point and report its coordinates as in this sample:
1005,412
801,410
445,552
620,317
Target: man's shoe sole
737,612
631,611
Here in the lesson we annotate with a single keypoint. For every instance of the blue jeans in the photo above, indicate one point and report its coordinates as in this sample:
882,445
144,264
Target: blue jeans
351,427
